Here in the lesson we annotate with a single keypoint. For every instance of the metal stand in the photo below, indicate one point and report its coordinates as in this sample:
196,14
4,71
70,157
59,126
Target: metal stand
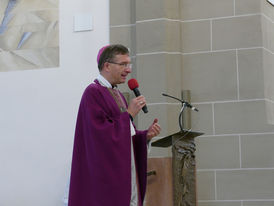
181,117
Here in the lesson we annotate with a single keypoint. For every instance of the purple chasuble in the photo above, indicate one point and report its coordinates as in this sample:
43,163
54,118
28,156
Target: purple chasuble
101,162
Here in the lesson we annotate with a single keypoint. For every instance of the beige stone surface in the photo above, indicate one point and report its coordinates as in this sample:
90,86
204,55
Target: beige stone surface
251,77
196,36
148,36
122,12
257,151
237,32
219,203
241,117
210,76
245,184
268,70
157,36
247,6
124,35
203,9
205,185
202,121
173,9
217,152
268,60
258,203
269,105
153,9
159,73
216,80
267,33
150,9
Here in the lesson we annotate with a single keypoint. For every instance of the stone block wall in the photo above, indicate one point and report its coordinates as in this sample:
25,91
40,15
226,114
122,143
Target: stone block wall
222,51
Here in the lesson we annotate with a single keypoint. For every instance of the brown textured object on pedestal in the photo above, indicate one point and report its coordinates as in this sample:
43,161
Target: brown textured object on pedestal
184,171
159,185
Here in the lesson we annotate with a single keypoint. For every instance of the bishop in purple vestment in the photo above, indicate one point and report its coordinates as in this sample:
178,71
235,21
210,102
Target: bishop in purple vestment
106,143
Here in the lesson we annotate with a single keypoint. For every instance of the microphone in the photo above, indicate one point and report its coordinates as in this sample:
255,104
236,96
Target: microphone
184,102
133,85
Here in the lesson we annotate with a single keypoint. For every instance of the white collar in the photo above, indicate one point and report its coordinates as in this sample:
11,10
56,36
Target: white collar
103,81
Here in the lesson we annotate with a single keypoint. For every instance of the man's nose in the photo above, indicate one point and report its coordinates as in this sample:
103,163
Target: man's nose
128,70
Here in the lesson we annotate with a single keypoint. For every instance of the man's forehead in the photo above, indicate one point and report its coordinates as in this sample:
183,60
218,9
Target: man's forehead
125,57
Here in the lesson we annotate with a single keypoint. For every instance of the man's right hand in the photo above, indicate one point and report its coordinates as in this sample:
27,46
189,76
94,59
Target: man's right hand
136,104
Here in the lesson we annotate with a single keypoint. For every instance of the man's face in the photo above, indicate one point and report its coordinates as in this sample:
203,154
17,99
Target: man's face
119,68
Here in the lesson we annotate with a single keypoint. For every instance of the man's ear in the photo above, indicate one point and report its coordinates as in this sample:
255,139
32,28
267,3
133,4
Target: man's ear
106,66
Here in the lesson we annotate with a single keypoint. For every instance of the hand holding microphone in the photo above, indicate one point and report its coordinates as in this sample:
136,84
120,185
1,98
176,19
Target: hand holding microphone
139,102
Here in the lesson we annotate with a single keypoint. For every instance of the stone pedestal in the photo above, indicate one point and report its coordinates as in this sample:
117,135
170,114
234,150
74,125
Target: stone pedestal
184,171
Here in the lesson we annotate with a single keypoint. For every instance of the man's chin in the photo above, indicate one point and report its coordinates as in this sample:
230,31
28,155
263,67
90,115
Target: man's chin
123,80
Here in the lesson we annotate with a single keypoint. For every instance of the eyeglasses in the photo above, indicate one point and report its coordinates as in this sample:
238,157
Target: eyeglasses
125,65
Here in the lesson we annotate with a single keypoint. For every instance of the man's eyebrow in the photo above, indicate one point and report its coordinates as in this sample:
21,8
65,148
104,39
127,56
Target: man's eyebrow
125,62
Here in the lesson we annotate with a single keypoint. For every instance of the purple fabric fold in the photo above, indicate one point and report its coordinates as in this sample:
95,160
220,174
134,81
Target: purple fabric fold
101,162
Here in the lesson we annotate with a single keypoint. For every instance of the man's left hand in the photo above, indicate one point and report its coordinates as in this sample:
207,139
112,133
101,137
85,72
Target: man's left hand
153,130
